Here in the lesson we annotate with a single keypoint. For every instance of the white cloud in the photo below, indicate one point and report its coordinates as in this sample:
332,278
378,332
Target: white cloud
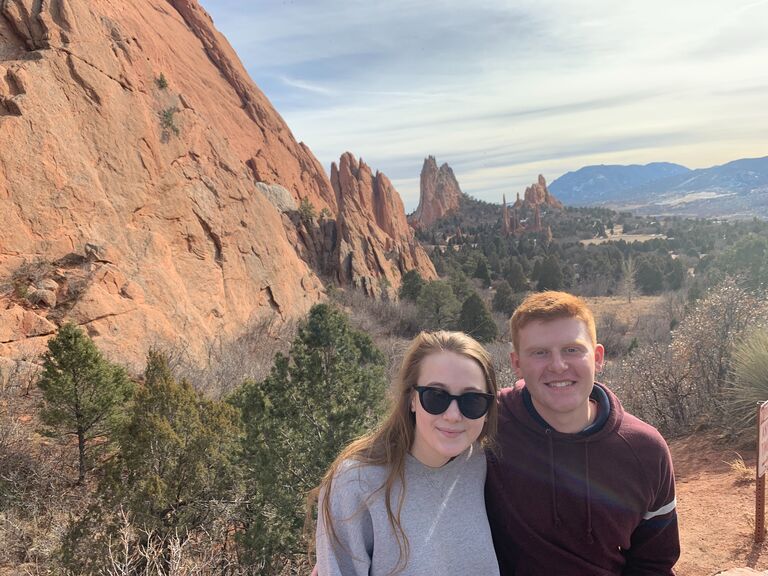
506,90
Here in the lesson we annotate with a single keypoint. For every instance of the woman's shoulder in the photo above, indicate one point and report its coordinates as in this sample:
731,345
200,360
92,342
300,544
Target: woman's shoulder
358,476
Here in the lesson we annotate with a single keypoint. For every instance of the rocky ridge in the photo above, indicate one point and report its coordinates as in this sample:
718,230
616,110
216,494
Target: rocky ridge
538,194
152,192
368,201
440,194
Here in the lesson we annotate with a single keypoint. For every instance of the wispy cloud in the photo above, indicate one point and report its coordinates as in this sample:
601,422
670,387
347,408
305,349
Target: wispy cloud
746,7
503,90
307,86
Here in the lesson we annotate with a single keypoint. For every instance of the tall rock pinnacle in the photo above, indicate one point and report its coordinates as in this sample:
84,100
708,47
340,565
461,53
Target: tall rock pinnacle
440,194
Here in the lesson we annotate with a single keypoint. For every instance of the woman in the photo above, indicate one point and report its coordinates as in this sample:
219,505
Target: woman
408,498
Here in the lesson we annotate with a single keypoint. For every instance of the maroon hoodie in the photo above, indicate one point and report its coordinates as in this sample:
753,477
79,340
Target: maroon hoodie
597,503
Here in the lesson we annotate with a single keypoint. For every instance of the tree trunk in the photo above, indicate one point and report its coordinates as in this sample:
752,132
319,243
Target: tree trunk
81,451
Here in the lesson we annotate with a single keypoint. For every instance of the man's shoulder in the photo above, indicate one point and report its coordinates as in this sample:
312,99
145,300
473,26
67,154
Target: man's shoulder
645,441
510,393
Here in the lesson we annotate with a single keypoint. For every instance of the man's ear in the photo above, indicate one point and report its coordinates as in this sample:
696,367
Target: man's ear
599,357
515,360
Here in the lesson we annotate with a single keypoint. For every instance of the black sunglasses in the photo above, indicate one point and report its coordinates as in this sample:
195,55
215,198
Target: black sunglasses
472,405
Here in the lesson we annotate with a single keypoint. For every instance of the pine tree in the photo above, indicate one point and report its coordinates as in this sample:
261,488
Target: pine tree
515,275
82,391
550,274
411,286
504,300
438,305
176,454
481,272
650,277
326,392
460,285
476,320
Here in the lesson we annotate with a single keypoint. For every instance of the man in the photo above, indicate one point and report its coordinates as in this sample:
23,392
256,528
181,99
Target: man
577,486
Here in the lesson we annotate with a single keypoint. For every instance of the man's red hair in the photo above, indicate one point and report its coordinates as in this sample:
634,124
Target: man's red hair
551,305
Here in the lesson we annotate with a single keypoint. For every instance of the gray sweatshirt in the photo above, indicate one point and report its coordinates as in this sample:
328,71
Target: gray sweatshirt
443,516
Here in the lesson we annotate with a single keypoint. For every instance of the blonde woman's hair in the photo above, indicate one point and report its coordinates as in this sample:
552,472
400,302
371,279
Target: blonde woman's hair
389,444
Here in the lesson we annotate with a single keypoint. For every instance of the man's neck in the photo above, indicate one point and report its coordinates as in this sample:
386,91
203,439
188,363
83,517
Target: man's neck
574,422
593,417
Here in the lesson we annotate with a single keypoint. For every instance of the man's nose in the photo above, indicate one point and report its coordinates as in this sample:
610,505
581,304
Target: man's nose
557,363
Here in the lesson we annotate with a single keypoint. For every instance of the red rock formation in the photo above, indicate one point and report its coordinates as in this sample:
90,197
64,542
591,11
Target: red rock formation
185,189
539,194
440,194
536,196
376,259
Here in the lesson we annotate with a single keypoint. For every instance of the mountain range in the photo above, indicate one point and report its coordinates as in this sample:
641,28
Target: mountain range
738,189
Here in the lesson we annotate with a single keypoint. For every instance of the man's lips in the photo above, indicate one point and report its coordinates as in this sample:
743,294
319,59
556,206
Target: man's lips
560,384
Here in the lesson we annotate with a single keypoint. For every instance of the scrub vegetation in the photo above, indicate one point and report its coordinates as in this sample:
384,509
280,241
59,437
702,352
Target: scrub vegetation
204,470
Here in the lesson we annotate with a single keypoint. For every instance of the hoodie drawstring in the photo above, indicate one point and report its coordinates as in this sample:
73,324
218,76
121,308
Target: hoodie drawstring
590,538
553,485
555,514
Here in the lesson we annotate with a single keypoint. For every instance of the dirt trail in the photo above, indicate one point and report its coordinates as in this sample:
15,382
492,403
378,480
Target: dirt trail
716,508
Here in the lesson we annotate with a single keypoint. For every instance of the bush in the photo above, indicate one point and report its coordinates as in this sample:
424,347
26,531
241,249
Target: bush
161,81
750,380
411,286
504,300
307,211
326,392
173,477
168,122
176,453
438,305
476,320
676,386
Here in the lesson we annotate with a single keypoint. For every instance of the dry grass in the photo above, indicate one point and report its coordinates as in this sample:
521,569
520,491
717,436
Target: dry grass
627,312
626,237
743,474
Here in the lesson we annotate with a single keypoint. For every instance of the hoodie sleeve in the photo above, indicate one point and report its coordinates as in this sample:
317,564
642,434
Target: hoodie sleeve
655,543
351,554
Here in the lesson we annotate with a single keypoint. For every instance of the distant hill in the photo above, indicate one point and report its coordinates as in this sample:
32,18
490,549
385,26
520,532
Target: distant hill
599,184
737,189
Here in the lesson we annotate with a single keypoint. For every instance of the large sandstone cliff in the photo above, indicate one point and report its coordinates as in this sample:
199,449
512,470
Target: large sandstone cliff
148,189
439,194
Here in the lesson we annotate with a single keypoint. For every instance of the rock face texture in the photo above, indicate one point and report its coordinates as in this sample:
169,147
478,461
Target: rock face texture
536,197
375,259
537,194
439,194
146,175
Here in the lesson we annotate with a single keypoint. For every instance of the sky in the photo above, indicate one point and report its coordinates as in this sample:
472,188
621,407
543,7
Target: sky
503,91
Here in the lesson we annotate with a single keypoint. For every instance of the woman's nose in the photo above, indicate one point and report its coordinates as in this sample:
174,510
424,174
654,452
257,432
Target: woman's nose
452,412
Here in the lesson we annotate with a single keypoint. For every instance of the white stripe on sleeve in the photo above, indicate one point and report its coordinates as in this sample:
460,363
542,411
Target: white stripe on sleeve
666,509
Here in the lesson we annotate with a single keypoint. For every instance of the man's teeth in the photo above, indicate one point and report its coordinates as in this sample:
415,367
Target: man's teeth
560,384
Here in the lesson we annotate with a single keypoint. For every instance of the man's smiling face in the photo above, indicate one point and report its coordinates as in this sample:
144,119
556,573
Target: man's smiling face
558,362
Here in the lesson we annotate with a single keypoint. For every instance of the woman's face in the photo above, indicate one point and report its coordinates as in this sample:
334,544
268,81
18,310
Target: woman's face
440,437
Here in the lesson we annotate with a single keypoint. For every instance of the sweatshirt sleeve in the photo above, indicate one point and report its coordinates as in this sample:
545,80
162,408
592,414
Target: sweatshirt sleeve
351,554
655,543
